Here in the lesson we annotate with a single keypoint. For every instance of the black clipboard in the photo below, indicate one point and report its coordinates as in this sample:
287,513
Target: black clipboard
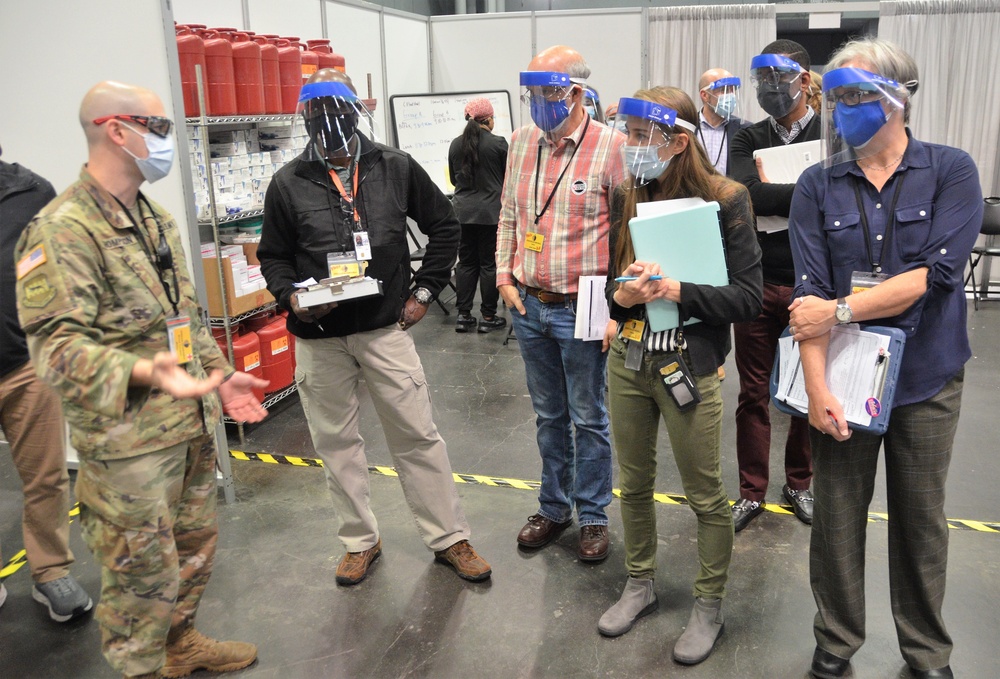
889,378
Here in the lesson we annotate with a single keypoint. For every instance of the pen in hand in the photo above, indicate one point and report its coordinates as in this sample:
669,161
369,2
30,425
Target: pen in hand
626,279
833,419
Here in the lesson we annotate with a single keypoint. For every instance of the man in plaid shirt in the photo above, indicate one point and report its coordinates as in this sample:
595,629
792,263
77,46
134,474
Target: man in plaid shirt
554,221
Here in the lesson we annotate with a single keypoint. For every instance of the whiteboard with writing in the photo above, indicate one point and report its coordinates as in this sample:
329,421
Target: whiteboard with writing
424,126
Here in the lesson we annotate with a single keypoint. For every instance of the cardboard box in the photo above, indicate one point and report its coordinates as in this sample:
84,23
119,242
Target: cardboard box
237,304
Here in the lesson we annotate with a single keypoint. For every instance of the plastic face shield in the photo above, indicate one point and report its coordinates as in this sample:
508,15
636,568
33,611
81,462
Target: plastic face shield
332,113
774,70
856,105
724,97
545,99
649,128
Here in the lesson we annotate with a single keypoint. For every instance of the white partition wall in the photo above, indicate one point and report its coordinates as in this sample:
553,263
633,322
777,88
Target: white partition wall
356,33
611,41
407,51
480,52
299,18
209,12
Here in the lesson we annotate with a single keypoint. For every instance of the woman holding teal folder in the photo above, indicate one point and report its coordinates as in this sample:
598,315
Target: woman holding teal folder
673,374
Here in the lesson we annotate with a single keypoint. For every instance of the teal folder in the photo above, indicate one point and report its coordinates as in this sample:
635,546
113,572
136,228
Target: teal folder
687,244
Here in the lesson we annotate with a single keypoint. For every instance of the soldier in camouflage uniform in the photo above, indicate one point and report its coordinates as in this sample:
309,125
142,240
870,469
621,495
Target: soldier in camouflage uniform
100,272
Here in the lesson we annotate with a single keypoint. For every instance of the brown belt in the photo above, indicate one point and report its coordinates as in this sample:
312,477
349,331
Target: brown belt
546,297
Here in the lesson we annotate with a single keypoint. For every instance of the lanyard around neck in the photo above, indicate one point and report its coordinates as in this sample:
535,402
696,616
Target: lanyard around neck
349,199
163,258
704,143
538,169
876,265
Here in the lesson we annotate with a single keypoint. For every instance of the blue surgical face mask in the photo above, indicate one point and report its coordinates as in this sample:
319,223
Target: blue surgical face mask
156,165
725,104
644,163
549,115
858,124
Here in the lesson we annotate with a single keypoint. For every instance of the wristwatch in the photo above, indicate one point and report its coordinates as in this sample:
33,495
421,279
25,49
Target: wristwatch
423,295
843,313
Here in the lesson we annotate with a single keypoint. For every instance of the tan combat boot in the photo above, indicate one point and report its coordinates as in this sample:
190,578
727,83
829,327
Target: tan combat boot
194,651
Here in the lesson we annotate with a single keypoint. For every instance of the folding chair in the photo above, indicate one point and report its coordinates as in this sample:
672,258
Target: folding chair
990,229
417,254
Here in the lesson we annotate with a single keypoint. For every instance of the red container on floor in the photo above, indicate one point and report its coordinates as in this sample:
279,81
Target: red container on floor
220,81
275,354
246,347
191,52
289,73
249,75
327,57
272,74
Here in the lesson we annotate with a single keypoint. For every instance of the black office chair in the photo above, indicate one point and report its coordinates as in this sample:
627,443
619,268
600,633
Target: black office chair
417,254
990,229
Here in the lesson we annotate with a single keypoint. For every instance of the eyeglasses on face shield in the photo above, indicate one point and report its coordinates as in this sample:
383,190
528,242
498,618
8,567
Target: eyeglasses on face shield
852,96
551,94
774,77
158,125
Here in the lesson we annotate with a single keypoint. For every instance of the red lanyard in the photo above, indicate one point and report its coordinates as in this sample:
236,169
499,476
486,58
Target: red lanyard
343,192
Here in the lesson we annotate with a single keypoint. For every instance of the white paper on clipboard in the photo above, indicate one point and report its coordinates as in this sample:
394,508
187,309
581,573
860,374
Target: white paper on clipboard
592,314
784,165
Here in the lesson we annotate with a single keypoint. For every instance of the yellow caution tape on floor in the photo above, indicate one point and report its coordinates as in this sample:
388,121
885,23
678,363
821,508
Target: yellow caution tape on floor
521,484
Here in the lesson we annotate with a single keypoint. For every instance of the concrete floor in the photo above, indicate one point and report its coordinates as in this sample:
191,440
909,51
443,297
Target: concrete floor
274,577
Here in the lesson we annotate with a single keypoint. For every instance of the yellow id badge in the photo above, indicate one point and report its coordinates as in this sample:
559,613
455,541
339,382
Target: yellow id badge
343,264
534,241
179,338
632,330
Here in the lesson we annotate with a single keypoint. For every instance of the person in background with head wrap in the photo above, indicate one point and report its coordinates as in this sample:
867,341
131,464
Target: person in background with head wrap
476,162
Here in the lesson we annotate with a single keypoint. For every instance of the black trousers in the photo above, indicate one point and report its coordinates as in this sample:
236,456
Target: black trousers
477,262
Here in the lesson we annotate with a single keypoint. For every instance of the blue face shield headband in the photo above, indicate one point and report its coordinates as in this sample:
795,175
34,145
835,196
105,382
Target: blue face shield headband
859,114
546,114
643,162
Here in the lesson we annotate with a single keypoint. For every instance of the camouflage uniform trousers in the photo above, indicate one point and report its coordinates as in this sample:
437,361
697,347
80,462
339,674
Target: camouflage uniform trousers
150,520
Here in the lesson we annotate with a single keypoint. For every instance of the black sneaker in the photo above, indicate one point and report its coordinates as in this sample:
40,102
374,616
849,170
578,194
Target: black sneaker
465,322
491,324
744,512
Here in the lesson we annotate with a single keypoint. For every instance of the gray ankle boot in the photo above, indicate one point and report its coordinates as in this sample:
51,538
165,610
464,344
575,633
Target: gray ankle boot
637,600
703,629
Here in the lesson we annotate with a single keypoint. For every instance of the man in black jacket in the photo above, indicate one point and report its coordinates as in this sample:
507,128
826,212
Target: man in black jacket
31,418
781,76
341,205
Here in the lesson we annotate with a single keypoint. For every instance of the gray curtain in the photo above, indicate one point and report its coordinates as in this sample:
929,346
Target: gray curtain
684,42
955,45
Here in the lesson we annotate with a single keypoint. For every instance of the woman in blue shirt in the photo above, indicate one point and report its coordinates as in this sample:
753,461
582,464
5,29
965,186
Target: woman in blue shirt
881,231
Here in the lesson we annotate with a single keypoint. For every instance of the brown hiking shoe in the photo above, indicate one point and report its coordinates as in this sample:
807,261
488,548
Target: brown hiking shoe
463,558
354,566
194,651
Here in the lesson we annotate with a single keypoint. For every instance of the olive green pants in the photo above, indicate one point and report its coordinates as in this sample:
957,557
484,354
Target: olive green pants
637,400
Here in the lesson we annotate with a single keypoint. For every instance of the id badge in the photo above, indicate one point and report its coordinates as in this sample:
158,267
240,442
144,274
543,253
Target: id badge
865,280
534,241
343,264
678,382
362,247
632,330
179,338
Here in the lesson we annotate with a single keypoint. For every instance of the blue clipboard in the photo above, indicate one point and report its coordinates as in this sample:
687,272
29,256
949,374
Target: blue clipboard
880,422
687,244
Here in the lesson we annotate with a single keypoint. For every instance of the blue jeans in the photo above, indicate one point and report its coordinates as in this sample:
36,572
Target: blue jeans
566,383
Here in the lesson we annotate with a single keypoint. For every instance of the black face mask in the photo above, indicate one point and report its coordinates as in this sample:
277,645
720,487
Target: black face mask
776,100
333,132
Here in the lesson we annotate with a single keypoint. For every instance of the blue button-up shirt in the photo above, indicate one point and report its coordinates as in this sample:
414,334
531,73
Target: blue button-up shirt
938,215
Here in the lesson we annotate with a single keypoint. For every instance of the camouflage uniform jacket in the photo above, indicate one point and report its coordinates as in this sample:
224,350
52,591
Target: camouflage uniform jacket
92,304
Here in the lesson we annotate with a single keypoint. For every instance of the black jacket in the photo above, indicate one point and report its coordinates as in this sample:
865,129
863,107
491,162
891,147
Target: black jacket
768,199
708,342
478,201
22,194
303,222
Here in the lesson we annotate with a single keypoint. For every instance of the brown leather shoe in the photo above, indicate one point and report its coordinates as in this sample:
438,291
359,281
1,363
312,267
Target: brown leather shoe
594,543
540,531
463,558
354,566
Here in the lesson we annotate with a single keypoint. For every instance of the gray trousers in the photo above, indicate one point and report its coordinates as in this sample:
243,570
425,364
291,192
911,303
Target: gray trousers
918,447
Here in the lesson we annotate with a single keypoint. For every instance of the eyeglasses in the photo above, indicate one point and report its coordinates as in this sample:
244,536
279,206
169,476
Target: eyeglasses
855,96
551,94
158,125
770,76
